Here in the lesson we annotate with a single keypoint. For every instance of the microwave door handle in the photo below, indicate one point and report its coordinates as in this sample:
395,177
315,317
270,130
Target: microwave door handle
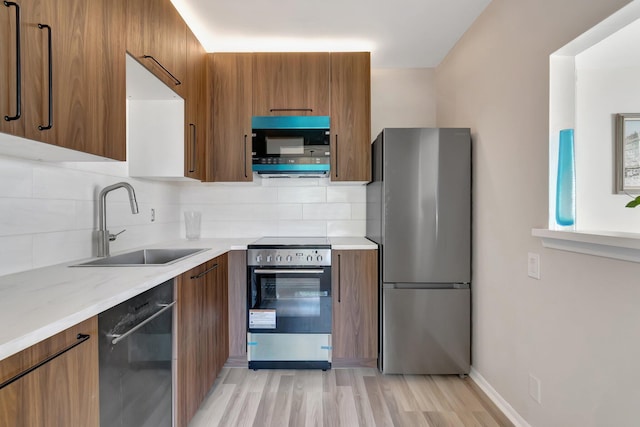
308,271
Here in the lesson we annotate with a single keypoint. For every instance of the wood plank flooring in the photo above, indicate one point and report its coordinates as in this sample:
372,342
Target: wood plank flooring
344,397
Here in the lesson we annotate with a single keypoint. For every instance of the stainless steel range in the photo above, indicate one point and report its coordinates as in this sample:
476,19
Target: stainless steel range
289,303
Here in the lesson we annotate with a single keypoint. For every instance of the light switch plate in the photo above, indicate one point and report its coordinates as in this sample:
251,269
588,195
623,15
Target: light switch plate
533,265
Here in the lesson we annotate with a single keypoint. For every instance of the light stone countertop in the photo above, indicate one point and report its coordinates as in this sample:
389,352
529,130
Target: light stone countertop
39,303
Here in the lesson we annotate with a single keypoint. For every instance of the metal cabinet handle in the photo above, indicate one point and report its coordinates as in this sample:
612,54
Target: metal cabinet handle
336,162
244,156
18,65
339,281
177,82
204,273
194,144
119,337
290,109
80,339
309,271
50,50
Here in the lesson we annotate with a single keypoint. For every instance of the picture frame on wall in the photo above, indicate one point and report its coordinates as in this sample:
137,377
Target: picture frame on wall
627,149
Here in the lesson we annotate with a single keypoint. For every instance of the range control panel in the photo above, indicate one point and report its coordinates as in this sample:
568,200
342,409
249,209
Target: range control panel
288,257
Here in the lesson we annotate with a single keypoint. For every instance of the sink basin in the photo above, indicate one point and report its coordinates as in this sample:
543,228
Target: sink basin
150,257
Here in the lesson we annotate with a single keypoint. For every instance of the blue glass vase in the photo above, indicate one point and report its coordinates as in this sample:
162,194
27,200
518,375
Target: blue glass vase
566,183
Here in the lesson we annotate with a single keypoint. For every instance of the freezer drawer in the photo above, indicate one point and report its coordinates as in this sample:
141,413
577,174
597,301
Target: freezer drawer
426,331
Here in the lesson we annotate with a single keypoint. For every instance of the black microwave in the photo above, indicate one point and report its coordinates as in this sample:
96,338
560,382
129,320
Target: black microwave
290,145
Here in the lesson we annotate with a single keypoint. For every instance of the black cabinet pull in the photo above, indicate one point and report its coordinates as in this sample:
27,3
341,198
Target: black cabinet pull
80,339
336,162
178,82
18,65
194,144
50,50
204,273
244,157
272,110
339,281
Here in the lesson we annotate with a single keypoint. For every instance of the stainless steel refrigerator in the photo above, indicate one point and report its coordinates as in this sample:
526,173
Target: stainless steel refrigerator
419,213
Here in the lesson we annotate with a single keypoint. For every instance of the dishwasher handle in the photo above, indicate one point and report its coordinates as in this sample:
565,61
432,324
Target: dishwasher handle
119,337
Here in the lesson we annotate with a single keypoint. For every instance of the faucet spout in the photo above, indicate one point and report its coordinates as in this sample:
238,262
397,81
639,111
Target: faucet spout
103,234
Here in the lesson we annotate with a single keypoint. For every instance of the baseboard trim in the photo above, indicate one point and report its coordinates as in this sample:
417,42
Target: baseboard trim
498,400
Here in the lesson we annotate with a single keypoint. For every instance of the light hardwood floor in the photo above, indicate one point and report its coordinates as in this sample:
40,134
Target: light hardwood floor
344,397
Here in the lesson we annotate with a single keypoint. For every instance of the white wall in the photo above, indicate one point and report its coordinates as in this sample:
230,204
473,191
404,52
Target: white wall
576,329
402,97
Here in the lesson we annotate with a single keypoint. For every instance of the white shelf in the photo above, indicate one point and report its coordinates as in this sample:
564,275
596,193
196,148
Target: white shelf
622,246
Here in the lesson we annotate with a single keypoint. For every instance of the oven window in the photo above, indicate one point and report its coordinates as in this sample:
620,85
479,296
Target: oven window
291,297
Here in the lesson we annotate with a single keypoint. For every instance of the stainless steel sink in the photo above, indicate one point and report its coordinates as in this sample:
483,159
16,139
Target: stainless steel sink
150,257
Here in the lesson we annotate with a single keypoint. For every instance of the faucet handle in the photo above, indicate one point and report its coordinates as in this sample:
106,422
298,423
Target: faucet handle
112,237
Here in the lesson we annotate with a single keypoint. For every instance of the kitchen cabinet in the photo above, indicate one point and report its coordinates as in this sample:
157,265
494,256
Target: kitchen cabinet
63,391
156,37
196,99
291,84
350,116
238,306
71,77
355,307
202,334
231,95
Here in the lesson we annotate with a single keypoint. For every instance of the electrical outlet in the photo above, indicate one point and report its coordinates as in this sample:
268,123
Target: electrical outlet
153,215
533,265
535,388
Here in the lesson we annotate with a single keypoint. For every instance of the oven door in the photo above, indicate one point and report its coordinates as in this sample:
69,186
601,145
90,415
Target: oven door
289,300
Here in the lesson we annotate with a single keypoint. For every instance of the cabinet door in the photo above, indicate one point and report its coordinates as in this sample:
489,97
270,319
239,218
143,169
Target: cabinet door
291,84
190,296
11,395
238,305
63,391
355,306
195,129
156,37
230,159
350,116
222,316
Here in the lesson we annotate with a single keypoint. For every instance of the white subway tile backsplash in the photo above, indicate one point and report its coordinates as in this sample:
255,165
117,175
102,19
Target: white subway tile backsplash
63,184
26,216
62,246
290,211
302,194
16,180
227,229
359,211
343,194
16,254
319,211
302,228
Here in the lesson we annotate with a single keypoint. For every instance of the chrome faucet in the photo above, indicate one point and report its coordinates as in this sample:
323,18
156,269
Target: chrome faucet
104,237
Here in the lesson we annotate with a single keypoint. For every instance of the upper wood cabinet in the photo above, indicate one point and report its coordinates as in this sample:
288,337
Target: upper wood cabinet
355,307
71,77
291,84
156,37
63,391
230,106
196,99
202,334
350,116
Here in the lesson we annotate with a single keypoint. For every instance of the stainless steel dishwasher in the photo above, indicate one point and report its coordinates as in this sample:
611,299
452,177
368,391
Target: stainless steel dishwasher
136,360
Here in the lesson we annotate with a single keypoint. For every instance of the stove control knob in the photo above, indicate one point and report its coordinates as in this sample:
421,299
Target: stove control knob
309,258
278,258
259,258
319,258
268,258
289,259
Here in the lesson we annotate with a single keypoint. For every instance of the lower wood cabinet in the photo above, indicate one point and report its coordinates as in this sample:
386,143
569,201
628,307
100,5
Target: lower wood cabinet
238,307
202,334
355,307
62,391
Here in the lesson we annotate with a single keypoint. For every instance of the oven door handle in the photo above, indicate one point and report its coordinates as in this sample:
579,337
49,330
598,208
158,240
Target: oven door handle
292,271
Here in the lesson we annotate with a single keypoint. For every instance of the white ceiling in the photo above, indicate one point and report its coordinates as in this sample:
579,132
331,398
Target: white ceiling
398,33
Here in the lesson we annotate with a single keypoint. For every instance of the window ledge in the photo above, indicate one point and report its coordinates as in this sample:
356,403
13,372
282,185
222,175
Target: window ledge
622,246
